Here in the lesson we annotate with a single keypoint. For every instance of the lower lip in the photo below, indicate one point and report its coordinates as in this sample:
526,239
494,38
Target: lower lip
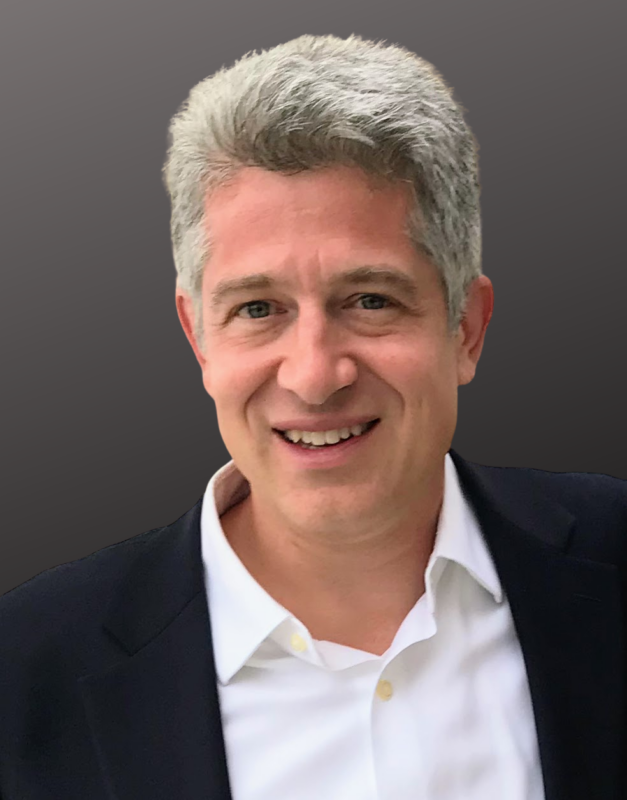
326,457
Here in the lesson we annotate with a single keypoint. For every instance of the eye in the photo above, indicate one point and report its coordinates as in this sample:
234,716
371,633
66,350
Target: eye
374,301
255,309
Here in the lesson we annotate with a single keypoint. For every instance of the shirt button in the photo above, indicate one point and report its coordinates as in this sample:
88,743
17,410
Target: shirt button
298,643
384,690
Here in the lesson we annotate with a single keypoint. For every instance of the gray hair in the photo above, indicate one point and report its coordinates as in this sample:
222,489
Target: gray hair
318,101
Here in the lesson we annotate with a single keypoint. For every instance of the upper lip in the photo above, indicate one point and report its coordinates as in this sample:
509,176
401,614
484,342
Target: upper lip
319,424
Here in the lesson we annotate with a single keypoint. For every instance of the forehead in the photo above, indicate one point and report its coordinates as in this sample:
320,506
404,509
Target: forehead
307,227
258,204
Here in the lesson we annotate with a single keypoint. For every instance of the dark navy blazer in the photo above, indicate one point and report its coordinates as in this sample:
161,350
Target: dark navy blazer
108,686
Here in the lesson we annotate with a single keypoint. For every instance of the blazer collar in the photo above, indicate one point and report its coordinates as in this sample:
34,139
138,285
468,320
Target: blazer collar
568,617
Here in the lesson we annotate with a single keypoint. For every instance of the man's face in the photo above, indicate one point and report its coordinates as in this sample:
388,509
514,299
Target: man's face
313,350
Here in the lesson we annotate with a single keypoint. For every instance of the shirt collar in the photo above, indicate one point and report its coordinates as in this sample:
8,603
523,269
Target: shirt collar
459,539
244,615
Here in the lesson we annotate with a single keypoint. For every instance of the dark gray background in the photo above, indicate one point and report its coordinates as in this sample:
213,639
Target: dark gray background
106,428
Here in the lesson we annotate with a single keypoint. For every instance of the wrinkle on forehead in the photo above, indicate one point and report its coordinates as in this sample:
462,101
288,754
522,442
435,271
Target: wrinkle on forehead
337,216
254,196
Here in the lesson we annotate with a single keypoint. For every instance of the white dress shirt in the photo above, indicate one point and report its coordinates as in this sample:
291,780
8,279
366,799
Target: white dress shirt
444,714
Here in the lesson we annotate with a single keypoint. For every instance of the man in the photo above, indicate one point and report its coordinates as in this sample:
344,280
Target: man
351,610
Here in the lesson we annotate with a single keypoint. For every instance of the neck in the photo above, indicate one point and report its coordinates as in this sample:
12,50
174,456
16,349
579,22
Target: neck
356,591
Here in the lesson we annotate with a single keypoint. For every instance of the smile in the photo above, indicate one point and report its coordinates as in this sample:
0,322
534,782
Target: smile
313,440
302,455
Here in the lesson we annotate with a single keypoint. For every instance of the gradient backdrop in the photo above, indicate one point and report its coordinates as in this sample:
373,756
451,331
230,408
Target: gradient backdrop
106,428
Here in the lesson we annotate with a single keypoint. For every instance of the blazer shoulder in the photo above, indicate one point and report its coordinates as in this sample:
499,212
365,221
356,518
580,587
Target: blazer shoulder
596,503
571,487
54,628
68,592
70,598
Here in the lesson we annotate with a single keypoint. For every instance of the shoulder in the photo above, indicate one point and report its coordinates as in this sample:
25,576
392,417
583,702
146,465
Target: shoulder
576,490
592,505
73,597
65,597
55,628
51,634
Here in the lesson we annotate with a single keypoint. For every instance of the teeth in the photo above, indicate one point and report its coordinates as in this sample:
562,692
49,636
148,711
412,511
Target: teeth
320,438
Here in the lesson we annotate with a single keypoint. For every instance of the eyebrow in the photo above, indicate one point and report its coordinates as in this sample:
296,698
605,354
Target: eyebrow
382,275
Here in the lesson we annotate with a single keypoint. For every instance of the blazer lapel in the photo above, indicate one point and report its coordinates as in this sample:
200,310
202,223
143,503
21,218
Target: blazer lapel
568,617
155,716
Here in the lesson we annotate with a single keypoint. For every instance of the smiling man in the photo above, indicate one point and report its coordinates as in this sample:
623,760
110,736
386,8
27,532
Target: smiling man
335,379
352,610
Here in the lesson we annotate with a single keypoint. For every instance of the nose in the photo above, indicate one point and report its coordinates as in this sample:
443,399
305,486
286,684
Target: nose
315,362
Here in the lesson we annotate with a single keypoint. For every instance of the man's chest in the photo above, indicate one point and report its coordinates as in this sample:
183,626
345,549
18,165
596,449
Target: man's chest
445,714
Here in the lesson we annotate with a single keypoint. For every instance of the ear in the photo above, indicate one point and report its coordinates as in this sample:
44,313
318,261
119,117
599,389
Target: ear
472,329
185,310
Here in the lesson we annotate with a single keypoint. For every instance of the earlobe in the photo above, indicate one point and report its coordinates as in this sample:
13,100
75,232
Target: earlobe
185,311
478,312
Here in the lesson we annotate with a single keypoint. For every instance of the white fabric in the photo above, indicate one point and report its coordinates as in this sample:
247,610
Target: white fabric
311,720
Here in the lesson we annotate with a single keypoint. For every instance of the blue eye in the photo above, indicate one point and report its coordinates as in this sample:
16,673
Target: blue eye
378,298
253,307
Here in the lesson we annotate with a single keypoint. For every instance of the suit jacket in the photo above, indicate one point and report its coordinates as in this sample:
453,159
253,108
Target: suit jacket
108,686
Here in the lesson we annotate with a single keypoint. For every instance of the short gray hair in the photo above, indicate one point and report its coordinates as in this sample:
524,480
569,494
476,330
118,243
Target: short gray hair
318,101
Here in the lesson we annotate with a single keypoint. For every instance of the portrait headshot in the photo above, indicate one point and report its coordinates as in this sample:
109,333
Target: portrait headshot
342,593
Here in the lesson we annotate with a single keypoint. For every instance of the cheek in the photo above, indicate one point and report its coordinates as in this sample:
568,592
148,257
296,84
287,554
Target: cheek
231,381
426,380
420,367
